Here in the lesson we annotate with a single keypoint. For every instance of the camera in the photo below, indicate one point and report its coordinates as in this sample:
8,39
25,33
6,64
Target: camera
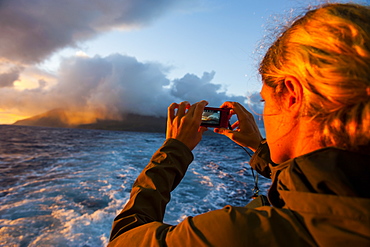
216,117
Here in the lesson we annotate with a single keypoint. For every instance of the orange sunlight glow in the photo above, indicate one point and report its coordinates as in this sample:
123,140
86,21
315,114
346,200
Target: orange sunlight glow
7,117
81,117
69,118
25,84
32,78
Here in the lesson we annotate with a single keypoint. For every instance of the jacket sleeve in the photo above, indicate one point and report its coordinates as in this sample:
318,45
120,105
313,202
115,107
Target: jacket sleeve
151,190
261,160
140,223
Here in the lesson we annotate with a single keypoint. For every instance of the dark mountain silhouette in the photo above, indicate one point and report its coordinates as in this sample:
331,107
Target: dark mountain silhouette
54,118
131,122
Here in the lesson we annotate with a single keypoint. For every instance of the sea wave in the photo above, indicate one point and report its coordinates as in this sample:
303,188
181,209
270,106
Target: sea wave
63,187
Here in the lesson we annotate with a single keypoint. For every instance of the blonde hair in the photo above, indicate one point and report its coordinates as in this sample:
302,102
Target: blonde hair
328,51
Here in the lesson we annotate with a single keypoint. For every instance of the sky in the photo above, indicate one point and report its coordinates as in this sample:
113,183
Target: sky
102,59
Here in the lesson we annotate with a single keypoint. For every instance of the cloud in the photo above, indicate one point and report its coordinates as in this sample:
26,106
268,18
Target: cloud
102,87
32,30
7,79
114,85
193,89
254,104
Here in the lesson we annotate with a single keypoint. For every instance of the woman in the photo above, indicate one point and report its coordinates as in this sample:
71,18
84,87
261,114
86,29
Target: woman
316,88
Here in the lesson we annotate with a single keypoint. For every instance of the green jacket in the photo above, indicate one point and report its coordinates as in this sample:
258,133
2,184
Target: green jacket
318,199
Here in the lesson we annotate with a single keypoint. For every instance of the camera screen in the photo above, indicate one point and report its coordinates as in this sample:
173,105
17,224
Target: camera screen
211,117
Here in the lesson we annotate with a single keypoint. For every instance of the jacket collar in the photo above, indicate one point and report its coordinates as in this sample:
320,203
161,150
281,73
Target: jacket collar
327,171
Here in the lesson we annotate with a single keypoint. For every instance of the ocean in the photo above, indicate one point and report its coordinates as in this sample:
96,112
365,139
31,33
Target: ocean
63,187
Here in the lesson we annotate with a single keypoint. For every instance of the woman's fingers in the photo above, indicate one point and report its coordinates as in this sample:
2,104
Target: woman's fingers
184,124
183,106
235,125
245,131
198,109
171,111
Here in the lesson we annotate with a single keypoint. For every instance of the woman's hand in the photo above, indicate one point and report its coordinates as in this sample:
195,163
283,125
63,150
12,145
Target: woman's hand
245,131
184,124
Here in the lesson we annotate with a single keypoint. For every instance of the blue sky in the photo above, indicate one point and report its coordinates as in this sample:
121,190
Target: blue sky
119,56
220,36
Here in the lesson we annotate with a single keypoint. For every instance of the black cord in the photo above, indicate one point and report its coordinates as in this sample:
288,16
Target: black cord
256,190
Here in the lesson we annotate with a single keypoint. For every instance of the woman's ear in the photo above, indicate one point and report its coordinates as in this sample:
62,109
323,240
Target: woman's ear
294,95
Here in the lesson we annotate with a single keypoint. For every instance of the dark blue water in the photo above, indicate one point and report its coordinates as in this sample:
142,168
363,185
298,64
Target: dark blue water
63,187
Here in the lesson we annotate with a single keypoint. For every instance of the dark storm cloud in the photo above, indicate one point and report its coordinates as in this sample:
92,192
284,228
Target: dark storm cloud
32,30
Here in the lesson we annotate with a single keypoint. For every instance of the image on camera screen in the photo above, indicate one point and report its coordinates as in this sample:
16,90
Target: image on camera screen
211,117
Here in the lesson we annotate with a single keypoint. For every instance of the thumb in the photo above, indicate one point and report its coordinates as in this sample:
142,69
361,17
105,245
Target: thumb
231,134
203,129
223,131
